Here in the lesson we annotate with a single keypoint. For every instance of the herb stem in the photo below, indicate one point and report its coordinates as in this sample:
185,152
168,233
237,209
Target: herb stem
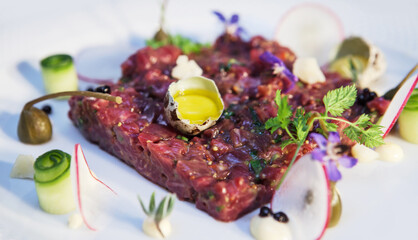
342,120
290,134
105,96
290,165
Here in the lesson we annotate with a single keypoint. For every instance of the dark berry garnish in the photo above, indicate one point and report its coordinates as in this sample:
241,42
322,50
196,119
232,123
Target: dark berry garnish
103,89
364,96
90,89
47,109
281,217
265,211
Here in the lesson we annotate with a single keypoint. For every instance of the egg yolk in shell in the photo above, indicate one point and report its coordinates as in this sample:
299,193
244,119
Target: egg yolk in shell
198,105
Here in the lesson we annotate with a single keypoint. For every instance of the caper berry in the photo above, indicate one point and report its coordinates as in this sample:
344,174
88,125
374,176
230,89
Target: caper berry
34,126
281,217
265,211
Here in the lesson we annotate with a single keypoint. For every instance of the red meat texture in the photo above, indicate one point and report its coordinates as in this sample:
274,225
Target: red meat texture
211,169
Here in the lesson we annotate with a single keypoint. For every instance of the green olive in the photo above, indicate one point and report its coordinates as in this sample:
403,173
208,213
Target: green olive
336,207
34,126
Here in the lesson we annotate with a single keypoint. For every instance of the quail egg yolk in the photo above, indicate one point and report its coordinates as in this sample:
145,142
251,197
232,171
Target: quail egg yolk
198,105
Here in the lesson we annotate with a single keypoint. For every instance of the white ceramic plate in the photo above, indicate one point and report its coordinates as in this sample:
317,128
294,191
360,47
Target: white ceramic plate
379,199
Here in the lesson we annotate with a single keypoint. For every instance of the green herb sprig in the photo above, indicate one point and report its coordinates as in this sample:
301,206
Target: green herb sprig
163,210
184,43
335,102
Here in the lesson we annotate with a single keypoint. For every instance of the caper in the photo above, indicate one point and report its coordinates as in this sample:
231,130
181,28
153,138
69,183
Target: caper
34,126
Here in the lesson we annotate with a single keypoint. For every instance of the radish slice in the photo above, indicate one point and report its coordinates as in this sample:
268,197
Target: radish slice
305,197
91,193
397,104
310,30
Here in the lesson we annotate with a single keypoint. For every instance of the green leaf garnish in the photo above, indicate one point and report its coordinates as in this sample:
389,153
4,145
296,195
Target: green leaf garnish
165,207
284,111
257,164
336,102
339,100
184,43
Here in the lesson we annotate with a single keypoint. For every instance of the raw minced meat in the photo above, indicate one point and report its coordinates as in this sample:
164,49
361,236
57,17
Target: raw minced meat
213,169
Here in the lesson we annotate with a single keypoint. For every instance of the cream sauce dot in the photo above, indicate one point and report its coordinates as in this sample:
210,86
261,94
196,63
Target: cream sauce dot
266,228
390,152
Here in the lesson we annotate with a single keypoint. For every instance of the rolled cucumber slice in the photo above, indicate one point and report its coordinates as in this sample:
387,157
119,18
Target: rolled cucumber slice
53,183
59,73
408,120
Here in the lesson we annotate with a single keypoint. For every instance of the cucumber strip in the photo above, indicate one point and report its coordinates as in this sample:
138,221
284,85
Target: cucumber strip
408,120
59,73
53,183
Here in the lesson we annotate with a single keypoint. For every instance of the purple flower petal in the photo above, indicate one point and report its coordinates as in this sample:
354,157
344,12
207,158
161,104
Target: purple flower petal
240,30
333,172
268,57
290,75
318,154
347,161
319,139
220,16
334,137
234,19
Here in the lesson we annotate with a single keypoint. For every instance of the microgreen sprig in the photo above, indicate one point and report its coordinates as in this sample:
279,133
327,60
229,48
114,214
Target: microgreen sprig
163,210
335,102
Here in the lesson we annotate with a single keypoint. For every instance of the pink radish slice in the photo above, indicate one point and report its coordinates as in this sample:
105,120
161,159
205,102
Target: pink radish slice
305,197
310,30
94,80
397,104
91,193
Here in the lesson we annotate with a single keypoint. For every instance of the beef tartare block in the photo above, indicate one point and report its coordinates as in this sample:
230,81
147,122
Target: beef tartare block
229,169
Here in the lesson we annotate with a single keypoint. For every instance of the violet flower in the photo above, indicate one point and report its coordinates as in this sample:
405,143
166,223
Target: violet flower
278,67
331,153
231,25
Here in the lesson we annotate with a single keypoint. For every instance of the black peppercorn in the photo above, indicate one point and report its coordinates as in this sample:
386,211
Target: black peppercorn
47,109
265,211
103,89
281,217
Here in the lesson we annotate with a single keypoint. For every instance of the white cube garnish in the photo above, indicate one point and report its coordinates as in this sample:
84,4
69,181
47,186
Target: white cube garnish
23,167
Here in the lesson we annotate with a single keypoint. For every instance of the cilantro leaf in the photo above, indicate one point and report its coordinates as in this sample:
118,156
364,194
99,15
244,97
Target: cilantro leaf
300,123
285,143
284,112
273,124
340,99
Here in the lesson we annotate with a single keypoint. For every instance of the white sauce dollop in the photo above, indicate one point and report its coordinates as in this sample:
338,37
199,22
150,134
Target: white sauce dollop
308,71
390,152
266,228
363,153
186,68
150,228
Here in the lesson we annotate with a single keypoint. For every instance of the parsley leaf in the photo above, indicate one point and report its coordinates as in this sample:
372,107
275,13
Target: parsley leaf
340,99
284,112
285,143
300,123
